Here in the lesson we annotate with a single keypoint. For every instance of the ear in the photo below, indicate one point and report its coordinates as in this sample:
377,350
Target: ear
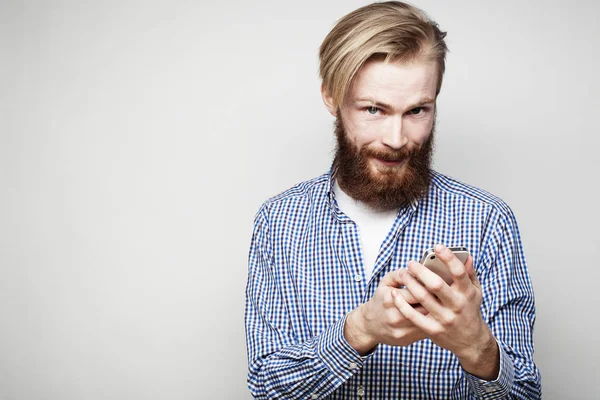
328,100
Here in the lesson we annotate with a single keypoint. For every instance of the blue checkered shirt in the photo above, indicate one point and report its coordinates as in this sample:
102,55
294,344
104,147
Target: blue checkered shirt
306,274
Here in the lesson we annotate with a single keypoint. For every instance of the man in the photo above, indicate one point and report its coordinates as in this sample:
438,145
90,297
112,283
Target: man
337,305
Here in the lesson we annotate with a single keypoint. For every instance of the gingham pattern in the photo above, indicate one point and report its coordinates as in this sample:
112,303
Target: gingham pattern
306,273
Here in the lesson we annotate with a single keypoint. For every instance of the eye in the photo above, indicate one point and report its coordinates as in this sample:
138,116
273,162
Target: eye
417,110
373,110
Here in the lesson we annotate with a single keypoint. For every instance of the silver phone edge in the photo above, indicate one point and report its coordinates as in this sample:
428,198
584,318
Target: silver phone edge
431,251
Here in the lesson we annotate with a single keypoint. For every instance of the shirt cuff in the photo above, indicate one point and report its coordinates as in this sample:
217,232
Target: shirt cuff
499,387
335,352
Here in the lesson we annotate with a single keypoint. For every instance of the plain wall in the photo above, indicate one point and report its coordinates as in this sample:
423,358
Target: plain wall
138,139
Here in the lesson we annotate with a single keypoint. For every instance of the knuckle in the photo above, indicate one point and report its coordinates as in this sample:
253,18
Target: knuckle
393,319
461,275
387,301
409,317
436,286
420,297
383,295
402,273
436,330
407,296
399,334
448,320
459,304
471,295
447,255
396,335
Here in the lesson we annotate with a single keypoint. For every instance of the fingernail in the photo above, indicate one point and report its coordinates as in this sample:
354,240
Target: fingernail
394,293
438,248
409,264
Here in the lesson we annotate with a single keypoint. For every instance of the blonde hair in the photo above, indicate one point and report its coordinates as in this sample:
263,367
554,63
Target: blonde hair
392,30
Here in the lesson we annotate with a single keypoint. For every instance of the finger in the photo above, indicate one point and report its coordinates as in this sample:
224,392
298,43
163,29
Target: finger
392,279
457,268
433,282
424,322
421,294
421,309
410,299
472,272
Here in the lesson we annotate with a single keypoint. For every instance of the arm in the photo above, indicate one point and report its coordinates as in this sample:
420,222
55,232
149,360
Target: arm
487,325
282,365
509,310
284,362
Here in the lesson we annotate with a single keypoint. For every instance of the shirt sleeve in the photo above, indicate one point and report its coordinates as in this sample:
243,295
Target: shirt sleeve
509,310
281,365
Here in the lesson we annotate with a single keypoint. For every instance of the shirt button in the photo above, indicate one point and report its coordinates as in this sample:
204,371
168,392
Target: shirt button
314,396
353,365
361,391
357,278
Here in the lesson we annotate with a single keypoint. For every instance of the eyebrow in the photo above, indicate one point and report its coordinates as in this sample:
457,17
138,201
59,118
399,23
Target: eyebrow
419,103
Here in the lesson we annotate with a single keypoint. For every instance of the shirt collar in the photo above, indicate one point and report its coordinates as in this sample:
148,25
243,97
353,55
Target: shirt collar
331,200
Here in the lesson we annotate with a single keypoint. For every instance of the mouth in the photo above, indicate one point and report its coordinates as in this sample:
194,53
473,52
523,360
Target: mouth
389,163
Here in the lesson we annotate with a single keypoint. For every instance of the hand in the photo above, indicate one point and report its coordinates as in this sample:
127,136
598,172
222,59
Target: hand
379,321
454,320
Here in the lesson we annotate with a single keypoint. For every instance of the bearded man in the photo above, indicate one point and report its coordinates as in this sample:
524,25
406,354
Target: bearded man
337,305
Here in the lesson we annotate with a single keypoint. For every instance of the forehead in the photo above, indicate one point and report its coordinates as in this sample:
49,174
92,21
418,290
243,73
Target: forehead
397,84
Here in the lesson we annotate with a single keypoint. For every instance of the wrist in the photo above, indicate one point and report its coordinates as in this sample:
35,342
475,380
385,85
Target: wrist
357,333
483,359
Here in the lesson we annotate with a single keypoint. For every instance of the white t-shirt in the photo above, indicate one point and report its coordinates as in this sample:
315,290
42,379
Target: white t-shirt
373,225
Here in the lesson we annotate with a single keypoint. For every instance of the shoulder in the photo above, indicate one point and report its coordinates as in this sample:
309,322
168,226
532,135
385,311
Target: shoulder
444,185
316,186
297,198
451,189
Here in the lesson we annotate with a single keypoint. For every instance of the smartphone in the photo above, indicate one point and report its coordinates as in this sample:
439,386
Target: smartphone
431,261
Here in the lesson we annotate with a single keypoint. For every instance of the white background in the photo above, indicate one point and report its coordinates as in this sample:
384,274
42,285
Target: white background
137,141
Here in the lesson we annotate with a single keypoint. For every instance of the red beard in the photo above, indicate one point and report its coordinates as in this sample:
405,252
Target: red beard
391,187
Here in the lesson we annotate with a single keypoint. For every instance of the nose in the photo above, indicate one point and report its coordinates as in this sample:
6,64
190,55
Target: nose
393,136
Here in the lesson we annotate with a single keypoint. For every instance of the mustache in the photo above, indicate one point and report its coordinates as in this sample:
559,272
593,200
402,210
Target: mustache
390,155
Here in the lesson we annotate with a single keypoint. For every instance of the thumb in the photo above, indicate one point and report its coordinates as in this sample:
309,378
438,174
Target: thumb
392,279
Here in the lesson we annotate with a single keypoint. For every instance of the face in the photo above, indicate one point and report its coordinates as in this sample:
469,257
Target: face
384,132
